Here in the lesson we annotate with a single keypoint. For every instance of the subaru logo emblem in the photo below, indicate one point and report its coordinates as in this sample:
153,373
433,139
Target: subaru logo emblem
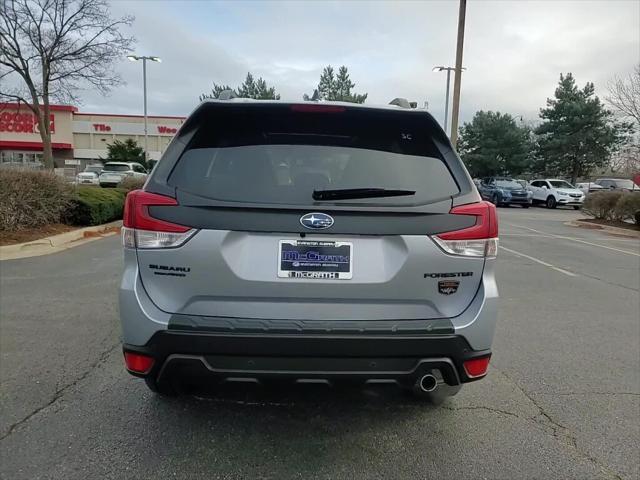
316,221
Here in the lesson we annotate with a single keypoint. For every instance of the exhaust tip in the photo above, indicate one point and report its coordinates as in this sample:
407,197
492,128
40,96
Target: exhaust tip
428,383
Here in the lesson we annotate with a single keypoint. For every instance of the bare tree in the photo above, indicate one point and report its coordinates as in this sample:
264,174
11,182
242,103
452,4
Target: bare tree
49,49
626,161
624,94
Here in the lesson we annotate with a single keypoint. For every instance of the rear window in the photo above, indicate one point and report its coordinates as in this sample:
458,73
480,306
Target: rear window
110,167
279,156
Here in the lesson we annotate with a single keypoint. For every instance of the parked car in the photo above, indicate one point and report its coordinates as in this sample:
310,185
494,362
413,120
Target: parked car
90,175
505,191
555,192
618,184
114,172
589,187
373,261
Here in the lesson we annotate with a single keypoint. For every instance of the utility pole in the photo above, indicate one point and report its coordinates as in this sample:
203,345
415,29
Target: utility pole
458,74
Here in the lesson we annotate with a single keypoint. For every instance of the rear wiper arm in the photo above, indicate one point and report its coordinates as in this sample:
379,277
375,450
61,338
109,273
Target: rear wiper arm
348,193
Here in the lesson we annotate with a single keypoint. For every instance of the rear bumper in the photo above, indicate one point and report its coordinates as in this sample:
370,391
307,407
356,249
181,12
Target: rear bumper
399,359
517,200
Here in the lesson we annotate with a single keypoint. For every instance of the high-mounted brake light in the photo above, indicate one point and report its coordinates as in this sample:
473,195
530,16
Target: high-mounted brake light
478,240
314,107
141,230
477,367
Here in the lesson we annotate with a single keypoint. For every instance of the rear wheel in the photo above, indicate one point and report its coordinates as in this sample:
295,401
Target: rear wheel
551,202
576,207
165,389
525,205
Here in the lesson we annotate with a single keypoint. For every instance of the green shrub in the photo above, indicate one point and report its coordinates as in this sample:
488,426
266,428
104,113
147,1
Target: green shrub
132,183
32,198
628,207
95,206
602,205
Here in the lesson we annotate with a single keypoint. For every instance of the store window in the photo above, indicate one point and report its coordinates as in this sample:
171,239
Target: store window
26,158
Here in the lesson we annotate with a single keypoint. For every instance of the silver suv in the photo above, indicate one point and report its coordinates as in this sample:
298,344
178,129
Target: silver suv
309,242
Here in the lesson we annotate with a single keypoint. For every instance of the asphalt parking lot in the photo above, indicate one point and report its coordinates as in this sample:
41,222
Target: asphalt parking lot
562,399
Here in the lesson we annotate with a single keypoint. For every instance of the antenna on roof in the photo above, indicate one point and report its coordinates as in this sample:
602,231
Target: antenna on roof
403,102
227,95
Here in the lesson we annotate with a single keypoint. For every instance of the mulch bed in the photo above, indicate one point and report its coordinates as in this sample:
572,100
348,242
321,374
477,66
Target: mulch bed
610,223
31,234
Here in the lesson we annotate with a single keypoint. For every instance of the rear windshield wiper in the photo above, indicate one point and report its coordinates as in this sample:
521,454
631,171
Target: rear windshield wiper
348,193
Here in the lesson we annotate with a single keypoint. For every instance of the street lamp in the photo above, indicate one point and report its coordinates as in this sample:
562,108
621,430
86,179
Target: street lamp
441,68
135,58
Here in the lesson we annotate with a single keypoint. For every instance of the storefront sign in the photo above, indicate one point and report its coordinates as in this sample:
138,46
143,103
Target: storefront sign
101,127
166,130
22,122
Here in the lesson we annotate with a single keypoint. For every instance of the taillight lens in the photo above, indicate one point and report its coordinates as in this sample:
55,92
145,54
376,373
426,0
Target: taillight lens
138,363
317,108
141,230
477,367
479,240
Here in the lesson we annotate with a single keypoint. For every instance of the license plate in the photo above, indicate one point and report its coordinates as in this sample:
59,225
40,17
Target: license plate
316,259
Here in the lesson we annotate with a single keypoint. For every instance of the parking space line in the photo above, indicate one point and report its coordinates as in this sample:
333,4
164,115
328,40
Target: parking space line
541,262
573,239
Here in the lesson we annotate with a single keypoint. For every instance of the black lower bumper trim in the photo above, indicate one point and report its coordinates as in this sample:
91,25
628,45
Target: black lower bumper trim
399,358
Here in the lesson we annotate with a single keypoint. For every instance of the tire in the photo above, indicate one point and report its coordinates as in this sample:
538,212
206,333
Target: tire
164,389
576,207
494,200
525,205
551,202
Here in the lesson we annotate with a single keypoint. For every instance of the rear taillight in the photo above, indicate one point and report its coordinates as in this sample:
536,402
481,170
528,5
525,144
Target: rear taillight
477,367
138,363
478,240
141,230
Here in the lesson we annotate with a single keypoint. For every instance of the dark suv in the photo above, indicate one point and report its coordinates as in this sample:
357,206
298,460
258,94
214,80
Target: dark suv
309,242
505,191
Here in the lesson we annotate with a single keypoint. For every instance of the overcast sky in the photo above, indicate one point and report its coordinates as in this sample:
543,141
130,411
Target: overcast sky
514,50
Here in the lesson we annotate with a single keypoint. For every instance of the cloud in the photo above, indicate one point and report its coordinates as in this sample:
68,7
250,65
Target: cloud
514,51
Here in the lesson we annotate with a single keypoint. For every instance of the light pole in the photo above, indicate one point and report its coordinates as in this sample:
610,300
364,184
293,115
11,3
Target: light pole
135,58
441,68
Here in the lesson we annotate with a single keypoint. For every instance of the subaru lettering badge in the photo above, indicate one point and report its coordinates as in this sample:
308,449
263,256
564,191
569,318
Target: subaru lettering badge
316,221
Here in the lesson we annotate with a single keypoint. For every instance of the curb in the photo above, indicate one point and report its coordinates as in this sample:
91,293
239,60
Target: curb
58,243
621,232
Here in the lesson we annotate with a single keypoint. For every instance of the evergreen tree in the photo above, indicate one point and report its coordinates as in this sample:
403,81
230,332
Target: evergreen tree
127,151
337,87
327,84
215,91
494,144
250,88
577,134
